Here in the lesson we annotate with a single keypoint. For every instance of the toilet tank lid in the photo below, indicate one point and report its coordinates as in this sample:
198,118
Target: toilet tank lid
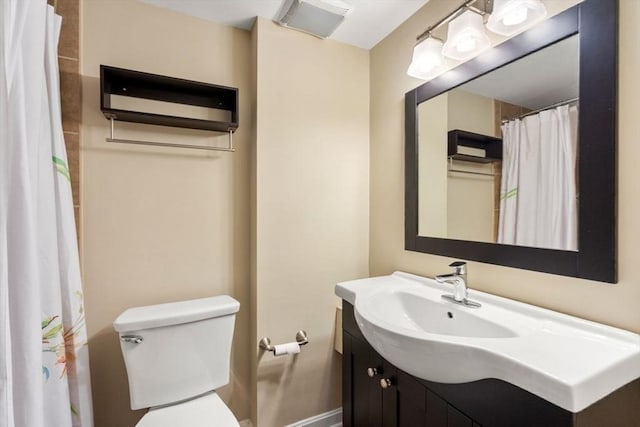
175,313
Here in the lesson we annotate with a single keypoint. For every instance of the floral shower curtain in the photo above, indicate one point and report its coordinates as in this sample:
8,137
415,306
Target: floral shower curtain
44,366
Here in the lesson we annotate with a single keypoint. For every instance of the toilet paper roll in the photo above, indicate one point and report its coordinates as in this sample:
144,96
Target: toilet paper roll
288,348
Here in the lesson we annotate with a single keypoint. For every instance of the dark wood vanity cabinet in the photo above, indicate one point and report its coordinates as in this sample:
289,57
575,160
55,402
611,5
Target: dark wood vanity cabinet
412,402
368,410
403,403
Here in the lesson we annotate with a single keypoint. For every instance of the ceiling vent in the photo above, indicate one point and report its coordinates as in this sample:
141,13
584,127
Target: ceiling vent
316,17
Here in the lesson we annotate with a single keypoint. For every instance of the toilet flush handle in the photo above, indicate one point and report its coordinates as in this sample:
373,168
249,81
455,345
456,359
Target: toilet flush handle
133,339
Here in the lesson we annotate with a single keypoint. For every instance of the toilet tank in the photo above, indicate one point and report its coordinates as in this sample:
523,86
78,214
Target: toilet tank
184,350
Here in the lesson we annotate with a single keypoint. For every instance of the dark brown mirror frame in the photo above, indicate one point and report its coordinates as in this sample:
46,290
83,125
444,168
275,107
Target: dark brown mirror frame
596,21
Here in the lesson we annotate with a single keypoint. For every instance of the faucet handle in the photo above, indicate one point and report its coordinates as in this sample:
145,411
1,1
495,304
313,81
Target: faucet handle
459,267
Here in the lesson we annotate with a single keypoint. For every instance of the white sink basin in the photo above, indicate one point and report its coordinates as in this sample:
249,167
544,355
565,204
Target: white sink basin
411,310
568,361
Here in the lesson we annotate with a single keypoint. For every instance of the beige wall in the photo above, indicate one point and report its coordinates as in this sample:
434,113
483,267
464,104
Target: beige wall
312,211
610,304
444,198
470,202
164,224
471,112
161,224
470,193
432,172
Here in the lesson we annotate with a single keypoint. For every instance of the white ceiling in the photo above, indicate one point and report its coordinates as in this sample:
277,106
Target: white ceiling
367,23
535,81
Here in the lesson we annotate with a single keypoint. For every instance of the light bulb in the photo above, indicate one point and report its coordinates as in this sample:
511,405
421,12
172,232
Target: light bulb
466,37
427,61
515,17
510,16
466,44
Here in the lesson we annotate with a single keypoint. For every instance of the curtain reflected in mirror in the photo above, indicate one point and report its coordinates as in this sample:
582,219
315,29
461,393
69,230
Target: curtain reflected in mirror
538,200
497,156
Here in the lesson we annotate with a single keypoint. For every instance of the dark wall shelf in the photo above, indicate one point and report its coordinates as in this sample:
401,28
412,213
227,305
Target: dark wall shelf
491,145
136,84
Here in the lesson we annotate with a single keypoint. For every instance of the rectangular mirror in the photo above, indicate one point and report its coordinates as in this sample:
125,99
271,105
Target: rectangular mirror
510,155
528,110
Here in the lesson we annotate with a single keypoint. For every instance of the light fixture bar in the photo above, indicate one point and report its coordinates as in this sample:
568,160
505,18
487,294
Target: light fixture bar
466,5
470,39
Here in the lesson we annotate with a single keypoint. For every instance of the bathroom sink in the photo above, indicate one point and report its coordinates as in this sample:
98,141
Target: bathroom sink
568,361
408,310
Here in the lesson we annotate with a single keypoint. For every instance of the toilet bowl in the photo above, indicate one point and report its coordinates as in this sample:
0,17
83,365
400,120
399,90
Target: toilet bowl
176,356
204,411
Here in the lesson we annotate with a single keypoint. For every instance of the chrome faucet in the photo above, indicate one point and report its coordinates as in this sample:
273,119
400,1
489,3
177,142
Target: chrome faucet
459,281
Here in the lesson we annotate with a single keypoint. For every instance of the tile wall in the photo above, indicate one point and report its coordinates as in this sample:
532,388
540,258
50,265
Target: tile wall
70,88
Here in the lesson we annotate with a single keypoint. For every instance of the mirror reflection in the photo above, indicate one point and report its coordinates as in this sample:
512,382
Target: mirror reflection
497,155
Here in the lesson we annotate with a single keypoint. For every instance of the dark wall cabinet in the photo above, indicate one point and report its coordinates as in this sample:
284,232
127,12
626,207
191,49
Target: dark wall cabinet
490,147
406,401
136,84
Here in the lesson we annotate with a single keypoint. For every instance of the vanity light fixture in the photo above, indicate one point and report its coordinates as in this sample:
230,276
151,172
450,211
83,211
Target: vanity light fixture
511,16
466,36
427,61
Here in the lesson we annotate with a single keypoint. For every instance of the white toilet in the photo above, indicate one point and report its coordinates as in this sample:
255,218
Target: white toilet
176,355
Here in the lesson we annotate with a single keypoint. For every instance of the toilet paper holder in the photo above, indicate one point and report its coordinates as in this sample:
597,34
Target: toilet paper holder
301,339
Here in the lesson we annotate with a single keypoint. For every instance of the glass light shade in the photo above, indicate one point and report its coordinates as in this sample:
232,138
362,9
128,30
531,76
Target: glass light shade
511,16
466,37
427,61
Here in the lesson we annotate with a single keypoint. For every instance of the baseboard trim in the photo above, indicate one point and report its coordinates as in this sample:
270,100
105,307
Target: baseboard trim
246,423
328,419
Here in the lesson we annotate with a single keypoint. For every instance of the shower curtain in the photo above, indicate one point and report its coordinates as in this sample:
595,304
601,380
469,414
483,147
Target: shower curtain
538,199
44,366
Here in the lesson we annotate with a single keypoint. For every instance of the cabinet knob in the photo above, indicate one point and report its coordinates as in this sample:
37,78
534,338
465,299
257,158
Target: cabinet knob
386,383
372,372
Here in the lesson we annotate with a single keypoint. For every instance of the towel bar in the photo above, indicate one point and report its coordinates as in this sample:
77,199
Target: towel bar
168,144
